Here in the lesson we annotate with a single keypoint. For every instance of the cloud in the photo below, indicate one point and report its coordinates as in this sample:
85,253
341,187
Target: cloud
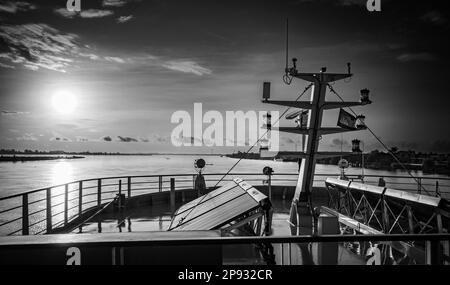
114,3
37,46
91,56
408,57
338,142
14,7
96,13
89,14
27,137
6,65
59,138
114,59
127,139
63,12
335,2
40,46
351,2
186,66
160,139
6,113
124,19
434,17
188,140
81,139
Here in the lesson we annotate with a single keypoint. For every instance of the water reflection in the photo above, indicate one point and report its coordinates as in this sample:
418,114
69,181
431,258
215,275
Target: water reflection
61,173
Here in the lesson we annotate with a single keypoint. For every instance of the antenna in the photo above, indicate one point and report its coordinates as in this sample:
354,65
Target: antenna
287,45
286,78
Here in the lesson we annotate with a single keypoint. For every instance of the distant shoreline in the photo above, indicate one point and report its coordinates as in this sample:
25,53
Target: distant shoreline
12,152
104,153
22,158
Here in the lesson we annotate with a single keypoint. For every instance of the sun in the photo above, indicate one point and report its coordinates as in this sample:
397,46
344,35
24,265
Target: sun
64,102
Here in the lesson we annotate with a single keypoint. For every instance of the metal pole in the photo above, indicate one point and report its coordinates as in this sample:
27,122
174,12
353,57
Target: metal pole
172,194
66,206
362,163
129,187
99,192
327,252
49,210
120,193
25,221
160,183
270,186
432,255
80,198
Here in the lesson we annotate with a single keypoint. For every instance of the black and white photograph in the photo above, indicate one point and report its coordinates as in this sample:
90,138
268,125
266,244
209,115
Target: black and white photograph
225,140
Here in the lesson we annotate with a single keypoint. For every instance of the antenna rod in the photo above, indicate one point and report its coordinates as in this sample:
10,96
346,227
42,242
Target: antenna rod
287,43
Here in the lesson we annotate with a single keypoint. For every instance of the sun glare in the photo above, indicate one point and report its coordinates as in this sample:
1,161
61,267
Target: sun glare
64,102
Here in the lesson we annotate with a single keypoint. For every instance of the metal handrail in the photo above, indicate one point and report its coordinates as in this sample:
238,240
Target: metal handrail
212,174
128,182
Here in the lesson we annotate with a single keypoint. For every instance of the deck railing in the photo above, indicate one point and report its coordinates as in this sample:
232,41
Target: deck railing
42,210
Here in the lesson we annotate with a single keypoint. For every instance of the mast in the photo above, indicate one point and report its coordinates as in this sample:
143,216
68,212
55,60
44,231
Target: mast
301,204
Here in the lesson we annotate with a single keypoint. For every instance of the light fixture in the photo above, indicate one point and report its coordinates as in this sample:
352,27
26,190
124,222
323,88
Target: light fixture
365,96
355,145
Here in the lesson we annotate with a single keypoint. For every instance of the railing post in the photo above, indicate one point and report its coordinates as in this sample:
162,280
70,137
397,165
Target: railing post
172,194
327,252
160,183
432,253
66,202
99,192
439,225
129,187
80,198
437,189
419,185
120,193
269,182
25,221
49,210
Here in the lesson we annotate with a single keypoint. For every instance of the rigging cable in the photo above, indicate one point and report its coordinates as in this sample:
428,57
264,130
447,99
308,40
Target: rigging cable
284,112
382,143
242,157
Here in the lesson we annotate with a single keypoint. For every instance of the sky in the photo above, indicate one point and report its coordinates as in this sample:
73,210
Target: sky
109,78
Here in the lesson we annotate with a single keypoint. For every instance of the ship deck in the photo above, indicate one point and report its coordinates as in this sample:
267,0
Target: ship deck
89,216
157,217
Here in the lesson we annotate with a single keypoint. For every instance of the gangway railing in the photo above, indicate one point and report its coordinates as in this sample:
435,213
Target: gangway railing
42,210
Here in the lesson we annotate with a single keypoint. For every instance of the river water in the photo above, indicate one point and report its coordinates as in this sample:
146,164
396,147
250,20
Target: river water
22,177
25,176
